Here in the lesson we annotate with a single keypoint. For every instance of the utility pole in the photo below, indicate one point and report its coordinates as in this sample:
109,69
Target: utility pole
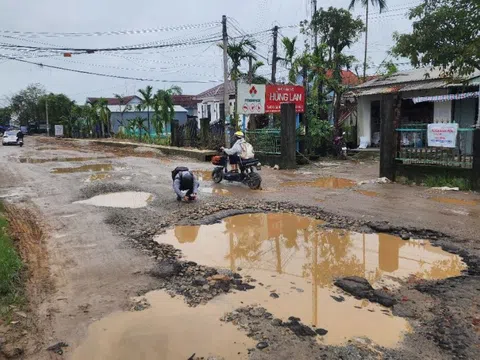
46,116
226,97
250,69
315,29
274,56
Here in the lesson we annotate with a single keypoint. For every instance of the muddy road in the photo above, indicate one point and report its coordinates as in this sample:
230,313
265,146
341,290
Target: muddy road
243,274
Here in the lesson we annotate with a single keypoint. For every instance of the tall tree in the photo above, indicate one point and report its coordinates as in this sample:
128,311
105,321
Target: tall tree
5,116
24,104
147,103
446,33
253,74
238,52
164,109
382,5
338,30
104,116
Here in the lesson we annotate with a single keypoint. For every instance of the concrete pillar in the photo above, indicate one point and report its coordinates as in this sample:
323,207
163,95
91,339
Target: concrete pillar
476,160
288,136
387,138
174,138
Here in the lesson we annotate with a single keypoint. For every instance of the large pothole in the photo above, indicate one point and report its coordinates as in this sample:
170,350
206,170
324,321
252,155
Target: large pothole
125,199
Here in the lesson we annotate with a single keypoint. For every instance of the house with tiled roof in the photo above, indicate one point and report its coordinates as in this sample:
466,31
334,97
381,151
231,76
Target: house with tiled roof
188,102
210,100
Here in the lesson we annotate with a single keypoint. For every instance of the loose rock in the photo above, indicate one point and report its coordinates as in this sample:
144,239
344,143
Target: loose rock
262,345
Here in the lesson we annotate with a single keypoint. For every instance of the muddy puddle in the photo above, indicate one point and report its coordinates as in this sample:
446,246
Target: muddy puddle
324,182
290,256
368,193
126,199
97,177
203,175
83,168
453,201
214,191
57,159
168,330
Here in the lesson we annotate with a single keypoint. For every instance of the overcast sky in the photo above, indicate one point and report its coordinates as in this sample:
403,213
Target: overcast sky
199,63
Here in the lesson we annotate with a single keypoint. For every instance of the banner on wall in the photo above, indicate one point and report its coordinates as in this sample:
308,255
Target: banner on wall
442,135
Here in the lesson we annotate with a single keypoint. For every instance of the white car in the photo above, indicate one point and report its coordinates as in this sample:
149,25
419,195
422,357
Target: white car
10,138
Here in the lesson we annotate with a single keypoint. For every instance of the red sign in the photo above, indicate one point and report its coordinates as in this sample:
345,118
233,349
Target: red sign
275,95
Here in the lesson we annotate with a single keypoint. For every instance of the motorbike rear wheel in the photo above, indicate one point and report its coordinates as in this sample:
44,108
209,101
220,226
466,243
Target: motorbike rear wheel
254,181
217,175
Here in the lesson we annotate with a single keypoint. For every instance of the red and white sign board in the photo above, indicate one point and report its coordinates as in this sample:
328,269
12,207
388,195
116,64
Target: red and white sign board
251,99
276,95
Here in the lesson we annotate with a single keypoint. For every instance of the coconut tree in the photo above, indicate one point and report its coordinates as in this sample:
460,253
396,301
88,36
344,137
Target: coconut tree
382,5
253,75
163,107
138,124
103,115
147,102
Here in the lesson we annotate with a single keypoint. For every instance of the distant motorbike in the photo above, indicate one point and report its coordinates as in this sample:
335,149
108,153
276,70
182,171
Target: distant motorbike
247,175
340,146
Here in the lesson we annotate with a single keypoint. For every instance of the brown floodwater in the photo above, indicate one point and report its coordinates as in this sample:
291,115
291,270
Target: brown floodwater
168,330
83,168
452,201
368,193
125,199
324,182
214,191
203,175
57,159
98,177
290,255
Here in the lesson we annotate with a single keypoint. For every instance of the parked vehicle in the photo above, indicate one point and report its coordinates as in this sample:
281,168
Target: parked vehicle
247,174
10,138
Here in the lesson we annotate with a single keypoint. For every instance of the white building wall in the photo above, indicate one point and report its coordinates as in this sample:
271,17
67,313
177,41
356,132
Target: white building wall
364,107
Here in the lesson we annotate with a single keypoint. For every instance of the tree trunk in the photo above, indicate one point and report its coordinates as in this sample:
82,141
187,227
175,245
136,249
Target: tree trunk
366,45
305,115
148,120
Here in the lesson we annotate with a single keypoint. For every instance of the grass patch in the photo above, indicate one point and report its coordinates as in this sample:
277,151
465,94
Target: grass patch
10,267
440,181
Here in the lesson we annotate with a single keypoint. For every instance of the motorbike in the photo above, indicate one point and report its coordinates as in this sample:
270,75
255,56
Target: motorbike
247,174
340,146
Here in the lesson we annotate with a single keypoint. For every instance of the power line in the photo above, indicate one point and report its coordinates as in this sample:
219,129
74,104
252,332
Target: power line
109,75
110,33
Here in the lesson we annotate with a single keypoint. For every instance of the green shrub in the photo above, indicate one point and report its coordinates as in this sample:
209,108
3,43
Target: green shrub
10,265
440,181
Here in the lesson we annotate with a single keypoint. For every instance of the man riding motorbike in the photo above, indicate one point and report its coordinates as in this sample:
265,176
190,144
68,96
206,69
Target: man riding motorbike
235,151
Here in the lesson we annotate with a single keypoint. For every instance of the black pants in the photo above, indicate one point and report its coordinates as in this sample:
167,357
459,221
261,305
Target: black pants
234,159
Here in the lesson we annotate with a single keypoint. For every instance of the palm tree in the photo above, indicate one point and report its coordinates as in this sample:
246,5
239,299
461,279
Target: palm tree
382,5
290,50
137,124
253,76
147,102
238,52
104,115
163,107
121,107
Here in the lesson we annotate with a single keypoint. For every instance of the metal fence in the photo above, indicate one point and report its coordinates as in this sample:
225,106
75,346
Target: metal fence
413,148
265,141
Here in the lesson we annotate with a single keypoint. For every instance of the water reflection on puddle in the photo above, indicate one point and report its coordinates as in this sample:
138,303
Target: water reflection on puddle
215,191
324,182
97,177
126,199
368,193
169,330
452,201
83,168
203,175
57,159
288,254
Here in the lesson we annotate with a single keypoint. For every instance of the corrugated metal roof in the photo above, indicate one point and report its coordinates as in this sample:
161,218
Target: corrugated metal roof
423,75
414,86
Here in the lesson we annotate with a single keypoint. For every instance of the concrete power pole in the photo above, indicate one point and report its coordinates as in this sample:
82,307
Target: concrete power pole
274,56
315,36
226,97
46,116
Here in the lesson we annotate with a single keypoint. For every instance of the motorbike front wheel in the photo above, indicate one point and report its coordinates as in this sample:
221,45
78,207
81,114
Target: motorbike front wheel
254,181
217,175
